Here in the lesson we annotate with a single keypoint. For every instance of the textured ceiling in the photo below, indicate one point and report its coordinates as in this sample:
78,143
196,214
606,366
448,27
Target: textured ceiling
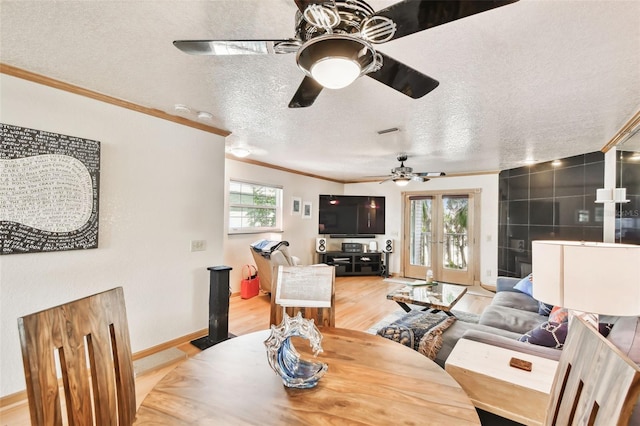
535,79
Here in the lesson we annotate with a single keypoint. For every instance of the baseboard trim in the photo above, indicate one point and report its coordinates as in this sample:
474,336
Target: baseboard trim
14,398
170,344
21,396
489,287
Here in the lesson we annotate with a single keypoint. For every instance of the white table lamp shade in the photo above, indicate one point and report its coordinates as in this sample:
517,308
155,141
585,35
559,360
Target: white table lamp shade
601,278
547,271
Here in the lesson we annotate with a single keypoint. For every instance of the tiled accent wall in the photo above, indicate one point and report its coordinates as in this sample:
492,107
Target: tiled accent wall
628,214
546,202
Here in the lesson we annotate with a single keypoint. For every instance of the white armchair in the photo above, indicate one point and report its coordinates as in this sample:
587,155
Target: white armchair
267,262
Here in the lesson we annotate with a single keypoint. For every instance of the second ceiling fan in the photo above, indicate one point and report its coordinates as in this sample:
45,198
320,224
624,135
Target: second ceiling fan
402,175
334,42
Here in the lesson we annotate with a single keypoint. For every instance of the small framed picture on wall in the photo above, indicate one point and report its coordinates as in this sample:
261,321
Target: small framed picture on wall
296,205
306,210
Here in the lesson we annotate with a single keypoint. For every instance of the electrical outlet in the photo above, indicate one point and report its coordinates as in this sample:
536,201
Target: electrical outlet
488,272
198,245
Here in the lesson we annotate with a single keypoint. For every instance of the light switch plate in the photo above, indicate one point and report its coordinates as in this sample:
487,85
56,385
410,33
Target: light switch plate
198,245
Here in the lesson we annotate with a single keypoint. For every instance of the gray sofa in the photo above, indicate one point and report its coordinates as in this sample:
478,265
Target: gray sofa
513,313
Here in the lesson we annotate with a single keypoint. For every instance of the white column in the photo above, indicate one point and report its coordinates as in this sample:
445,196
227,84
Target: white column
609,214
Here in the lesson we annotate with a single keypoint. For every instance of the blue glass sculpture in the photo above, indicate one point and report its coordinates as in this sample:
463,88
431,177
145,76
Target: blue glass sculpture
285,360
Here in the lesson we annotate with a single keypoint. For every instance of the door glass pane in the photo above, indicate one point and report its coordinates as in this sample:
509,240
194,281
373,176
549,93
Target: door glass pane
455,232
421,232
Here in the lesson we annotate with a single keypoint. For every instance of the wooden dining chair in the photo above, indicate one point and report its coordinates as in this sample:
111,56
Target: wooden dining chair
87,340
595,383
322,316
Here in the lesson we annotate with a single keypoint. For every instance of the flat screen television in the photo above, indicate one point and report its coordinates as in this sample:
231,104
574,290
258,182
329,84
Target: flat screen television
351,216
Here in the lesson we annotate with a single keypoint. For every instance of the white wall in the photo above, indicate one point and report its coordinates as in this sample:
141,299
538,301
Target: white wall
488,184
300,233
161,185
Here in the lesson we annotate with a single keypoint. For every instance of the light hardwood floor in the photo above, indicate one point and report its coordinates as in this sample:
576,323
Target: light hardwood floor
360,303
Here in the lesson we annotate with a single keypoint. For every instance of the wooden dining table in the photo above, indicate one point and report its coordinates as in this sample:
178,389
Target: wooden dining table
370,381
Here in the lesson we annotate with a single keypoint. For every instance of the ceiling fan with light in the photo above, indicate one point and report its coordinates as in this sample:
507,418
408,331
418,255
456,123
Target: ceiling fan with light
403,175
334,42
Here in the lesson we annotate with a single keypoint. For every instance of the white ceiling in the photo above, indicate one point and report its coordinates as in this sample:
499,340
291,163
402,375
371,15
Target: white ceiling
536,79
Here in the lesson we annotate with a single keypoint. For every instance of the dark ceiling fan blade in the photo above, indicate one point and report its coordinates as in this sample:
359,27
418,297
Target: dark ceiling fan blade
234,47
430,174
306,94
403,78
412,16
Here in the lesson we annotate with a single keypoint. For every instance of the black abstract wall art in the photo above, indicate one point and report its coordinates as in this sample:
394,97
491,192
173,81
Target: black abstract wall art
49,191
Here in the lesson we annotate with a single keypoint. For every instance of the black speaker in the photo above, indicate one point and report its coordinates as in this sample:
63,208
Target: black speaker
321,245
388,246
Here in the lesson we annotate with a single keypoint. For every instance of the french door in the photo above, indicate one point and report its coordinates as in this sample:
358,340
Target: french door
439,234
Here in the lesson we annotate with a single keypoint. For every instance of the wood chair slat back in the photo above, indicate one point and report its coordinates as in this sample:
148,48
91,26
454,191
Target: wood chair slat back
90,336
595,383
322,317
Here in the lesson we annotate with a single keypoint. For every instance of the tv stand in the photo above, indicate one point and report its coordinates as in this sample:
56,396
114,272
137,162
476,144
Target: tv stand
352,236
359,263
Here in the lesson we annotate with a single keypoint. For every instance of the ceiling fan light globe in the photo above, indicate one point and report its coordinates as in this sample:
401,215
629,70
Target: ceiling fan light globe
335,72
402,181
335,60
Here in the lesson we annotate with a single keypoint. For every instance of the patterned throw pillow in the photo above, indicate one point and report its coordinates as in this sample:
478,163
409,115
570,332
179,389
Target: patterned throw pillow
525,285
412,327
549,334
553,334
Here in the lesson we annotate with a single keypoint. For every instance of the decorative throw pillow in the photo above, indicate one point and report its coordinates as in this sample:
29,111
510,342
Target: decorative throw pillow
559,314
549,334
544,309
553,334
411,327
525,285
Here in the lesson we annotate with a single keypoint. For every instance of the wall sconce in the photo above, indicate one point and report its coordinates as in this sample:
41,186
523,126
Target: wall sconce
611,195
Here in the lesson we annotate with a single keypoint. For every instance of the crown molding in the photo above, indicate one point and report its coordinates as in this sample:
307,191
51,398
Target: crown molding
628,129
67,87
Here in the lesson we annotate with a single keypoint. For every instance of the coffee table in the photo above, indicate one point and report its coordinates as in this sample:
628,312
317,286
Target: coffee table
434,297
371,380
